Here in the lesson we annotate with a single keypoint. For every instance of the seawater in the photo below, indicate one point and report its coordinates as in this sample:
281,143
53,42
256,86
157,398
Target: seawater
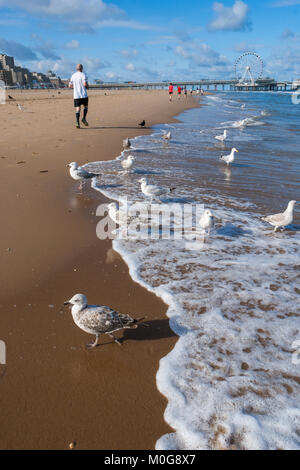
230,380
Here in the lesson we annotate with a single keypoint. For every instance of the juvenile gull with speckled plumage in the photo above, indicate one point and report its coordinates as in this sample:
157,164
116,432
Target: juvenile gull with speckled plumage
98,319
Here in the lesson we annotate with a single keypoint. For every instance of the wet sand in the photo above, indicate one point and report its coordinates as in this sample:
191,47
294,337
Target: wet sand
52,391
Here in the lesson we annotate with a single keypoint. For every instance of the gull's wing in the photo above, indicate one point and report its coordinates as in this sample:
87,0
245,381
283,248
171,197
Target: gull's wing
275,219
104,319
85,174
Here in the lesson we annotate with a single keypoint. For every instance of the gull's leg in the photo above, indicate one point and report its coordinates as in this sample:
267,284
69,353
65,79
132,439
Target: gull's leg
93,345
80,186
115,339
275,229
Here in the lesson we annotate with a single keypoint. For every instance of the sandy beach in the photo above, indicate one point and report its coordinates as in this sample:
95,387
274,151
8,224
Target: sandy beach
53,392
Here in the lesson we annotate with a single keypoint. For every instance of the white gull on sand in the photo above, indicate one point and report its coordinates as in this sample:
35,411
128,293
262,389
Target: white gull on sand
79,174
98,319
126,144
282,219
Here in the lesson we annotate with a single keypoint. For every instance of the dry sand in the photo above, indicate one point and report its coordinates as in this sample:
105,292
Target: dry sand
52,391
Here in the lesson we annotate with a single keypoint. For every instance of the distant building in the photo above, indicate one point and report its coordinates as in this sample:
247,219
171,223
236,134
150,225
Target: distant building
55,81
13,75
6,77
7,62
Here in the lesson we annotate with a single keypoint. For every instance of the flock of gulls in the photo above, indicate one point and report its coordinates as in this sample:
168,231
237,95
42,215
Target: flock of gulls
99,319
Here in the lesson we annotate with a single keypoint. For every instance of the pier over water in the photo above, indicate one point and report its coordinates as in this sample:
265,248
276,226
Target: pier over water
264,84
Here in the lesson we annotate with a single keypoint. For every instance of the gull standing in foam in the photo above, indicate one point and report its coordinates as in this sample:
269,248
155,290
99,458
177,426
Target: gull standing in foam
79,174
151,190
127,164
229,158
222,137
98,319
282,219
118,216
207,221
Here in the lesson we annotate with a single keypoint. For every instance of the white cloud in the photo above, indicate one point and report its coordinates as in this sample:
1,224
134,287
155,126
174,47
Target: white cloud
92,64
111,75
79,16
201,55
233,18
62,67
74,44
130,67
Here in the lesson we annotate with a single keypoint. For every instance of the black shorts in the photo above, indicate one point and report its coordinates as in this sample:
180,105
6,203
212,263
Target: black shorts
81,101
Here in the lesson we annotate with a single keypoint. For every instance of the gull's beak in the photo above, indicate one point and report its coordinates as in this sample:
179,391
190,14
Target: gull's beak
67,303
237,150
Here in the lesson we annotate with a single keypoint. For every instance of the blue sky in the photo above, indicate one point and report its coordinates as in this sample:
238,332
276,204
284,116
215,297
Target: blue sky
151,40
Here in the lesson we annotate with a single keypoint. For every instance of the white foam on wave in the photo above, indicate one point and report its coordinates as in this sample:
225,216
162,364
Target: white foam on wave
230,380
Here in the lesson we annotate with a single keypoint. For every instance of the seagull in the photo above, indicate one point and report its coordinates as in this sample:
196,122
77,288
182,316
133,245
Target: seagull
117,215
167,136
243,106
283,219
79,174
127,164
222,137
98,319
20,107
207,221
126,144
229,158
151,190
143,123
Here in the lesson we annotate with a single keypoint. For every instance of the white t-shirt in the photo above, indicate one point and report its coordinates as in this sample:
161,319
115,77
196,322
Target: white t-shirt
77,80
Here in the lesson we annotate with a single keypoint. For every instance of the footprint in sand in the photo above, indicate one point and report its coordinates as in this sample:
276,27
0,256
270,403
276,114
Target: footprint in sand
21,162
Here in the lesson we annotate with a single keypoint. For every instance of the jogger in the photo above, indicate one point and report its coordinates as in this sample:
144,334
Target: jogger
79,83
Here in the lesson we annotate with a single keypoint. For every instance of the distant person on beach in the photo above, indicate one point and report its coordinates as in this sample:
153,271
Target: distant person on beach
185,92
79,83
179,92
171,88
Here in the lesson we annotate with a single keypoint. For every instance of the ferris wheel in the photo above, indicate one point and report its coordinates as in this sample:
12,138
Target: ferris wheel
249,67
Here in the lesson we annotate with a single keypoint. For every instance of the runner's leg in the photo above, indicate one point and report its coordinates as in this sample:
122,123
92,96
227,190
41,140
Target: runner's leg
78,115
